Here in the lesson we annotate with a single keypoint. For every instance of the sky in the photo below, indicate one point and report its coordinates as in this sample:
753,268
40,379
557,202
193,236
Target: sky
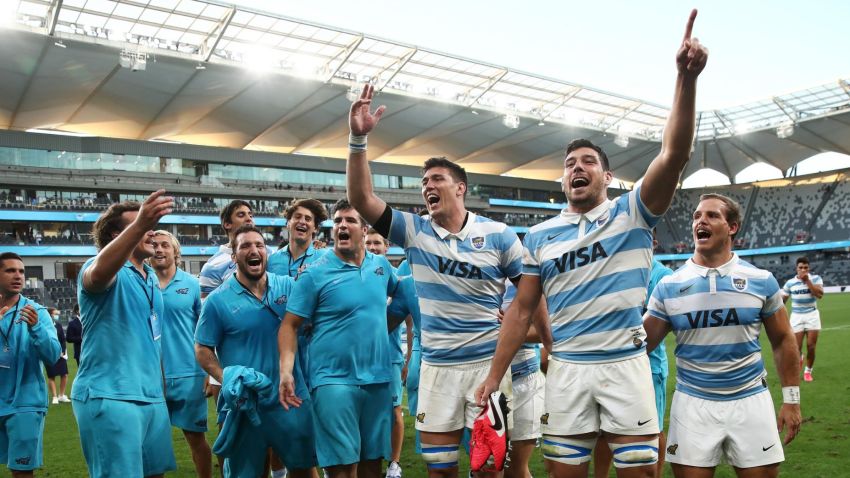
757,48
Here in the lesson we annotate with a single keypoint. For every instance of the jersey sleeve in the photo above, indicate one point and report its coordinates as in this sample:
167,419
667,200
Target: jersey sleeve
640,212
304,297
656,307
530,265
817,280
512,253
786,289
403,228
208,279
209,331
773,297
398,306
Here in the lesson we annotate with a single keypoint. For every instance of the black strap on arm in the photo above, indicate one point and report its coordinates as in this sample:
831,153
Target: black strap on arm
382,225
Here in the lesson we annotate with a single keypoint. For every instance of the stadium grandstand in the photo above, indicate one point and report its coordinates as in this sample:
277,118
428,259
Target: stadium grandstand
116,99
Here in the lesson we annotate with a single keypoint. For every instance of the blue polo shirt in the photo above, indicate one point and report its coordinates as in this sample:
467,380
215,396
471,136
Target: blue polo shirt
120,360
243,330
346,306
22,385
282,262
406,303
182,297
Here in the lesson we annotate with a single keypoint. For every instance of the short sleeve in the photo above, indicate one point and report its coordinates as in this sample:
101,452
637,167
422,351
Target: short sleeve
512,253
773,297
304,297
398,306
641,210
656,307
403,228
210,330
530,265
817,280
208,280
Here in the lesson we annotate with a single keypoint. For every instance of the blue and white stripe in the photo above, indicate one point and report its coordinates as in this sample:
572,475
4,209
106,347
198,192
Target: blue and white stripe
716,315
594,270
216,270
802,300
527,358
459,280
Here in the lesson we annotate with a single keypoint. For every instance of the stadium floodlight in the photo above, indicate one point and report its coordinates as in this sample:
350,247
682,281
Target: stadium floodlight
133,60
541,123
743,127
785,131
511,121
622,141
200,66
60,44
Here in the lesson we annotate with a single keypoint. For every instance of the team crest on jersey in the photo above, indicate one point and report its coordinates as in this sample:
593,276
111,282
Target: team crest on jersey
478,243
420,418
672,448
379,271
183,291
739,283
280,300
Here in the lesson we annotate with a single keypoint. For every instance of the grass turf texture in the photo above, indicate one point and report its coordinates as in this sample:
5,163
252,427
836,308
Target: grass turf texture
815,452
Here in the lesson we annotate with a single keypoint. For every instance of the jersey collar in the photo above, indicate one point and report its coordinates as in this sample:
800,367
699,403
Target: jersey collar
461,235
592,215
723,270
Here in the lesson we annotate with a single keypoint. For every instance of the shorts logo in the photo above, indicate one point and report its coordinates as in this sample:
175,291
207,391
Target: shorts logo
478,243
280,300
183,291
544,419
672,448
420,418
379,271
739,283
201,423
637,342
23,461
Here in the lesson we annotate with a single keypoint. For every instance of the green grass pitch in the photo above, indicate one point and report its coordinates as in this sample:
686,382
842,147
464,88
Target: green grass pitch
820,449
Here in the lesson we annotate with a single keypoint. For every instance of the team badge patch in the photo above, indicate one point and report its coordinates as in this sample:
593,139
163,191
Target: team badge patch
379,271
183,291
544,419
420,418
280,300
739,283
478,243
672,448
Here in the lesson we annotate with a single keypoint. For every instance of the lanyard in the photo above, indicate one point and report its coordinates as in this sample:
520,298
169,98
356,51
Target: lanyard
264,300
148,297
6,335
300,264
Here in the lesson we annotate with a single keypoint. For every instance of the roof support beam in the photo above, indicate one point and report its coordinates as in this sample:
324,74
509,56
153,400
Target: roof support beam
53,16
622,115
210,44
439,130
490,84
401,64
785,107
560,102
845,86
751,153
835,146
349,50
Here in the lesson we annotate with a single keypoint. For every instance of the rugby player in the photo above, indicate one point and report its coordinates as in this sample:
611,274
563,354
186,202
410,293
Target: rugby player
592,264
805,289
303,218
716,305
184,378
220,266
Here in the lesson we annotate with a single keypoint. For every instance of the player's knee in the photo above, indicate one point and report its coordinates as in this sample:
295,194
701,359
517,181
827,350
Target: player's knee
567,450
640,453
440,457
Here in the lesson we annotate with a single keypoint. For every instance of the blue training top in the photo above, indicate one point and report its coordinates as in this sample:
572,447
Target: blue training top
182,297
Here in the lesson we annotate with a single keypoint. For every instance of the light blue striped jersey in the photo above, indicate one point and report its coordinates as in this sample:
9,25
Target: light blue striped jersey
802,300
527,358
594,270
460,281
716,315
658,357
216,270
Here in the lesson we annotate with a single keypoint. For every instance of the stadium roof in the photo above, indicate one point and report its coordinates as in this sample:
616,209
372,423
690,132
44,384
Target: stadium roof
191,75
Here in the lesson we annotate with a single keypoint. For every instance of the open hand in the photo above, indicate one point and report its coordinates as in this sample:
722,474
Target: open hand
361,120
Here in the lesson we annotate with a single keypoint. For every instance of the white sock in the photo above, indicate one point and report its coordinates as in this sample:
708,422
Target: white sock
281,473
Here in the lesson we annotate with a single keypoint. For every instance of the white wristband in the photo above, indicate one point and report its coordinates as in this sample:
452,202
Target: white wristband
791,395
356,144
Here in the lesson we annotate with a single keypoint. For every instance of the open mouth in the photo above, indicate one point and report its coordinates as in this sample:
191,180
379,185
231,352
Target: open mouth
255,261
301,228
432,199
579,182
344,236
703,234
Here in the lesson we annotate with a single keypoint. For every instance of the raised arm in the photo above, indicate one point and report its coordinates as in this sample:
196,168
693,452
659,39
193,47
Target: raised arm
663,174
512,333
287,345
787,361
361,195
101,273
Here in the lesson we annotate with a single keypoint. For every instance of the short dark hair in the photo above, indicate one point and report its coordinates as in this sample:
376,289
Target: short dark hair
228,210
320,213
733,209
372,230
457,172
244,228
586,143
8,256
344,205
802,260
110,222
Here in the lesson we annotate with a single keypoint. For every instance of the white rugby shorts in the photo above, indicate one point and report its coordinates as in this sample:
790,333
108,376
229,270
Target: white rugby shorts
527,406
803,321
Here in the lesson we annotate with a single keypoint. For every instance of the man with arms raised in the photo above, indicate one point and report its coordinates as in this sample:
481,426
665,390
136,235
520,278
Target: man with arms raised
455,255
344,296
27,338
117,395
592,265
716,305
805,289
238,328
184,378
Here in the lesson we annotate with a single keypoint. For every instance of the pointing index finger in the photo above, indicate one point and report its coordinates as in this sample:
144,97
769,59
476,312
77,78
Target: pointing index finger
689,28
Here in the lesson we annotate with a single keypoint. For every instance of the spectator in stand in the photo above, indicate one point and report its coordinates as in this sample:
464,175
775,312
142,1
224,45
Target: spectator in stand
60,368
74,334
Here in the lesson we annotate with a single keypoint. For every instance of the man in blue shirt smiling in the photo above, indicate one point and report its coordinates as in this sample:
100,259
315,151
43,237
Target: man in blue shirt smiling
344,296
184,378
118,396
238,328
